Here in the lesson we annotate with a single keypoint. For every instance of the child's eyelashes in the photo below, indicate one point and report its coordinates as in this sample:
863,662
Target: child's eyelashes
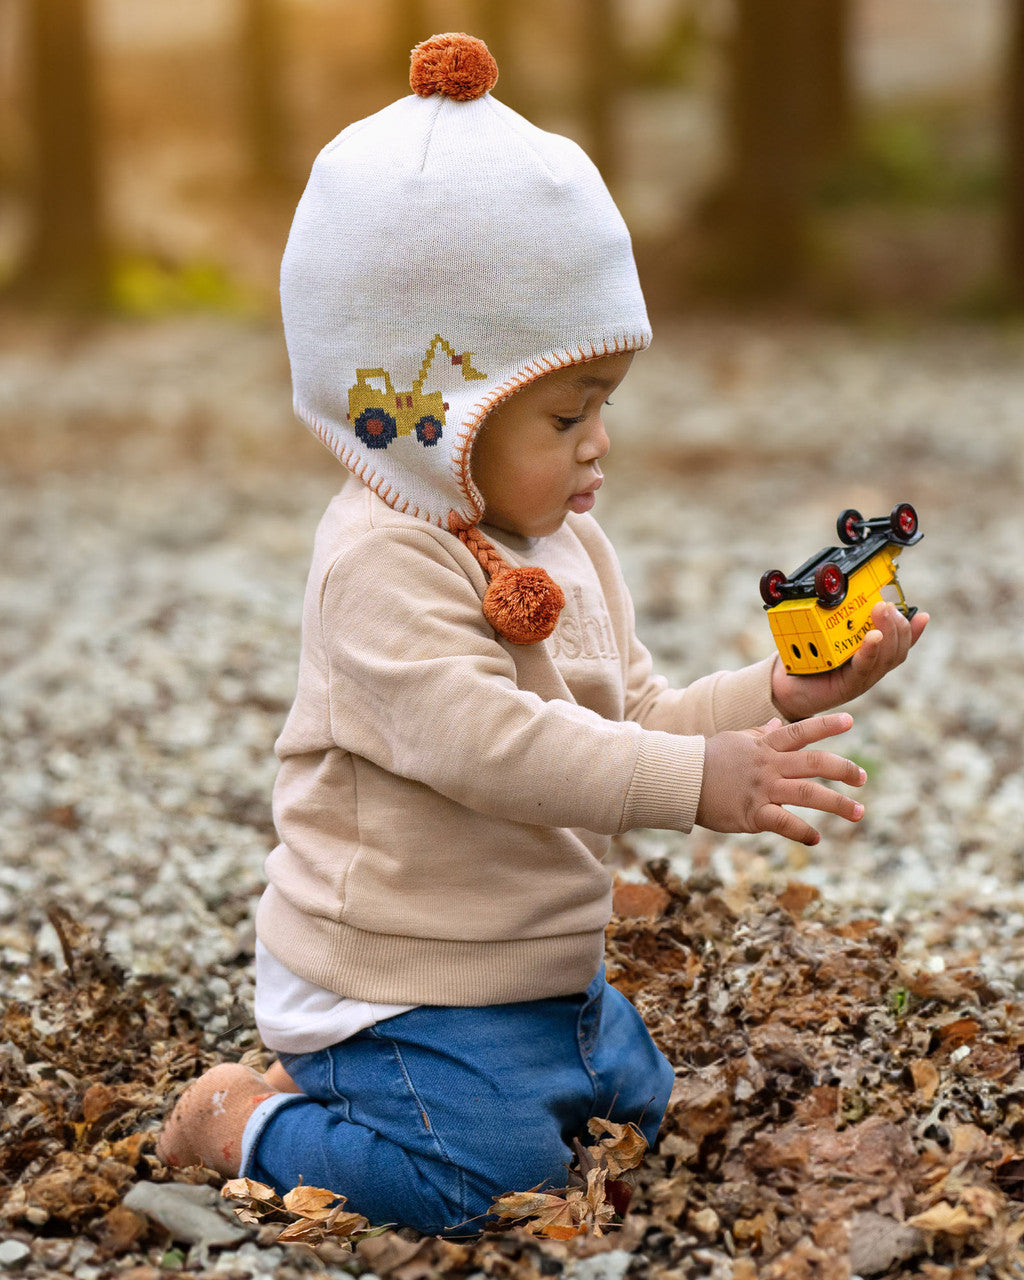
565,422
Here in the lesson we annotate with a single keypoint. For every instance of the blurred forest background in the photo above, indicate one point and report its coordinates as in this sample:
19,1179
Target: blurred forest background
844,155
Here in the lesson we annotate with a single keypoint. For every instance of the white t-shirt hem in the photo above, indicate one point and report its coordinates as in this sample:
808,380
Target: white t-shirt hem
296,1016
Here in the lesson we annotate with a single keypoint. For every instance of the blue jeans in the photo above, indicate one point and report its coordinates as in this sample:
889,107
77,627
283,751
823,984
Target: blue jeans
423,1119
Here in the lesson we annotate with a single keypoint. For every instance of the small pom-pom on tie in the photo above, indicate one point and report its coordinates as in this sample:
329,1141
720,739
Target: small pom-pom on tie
455,65
523,604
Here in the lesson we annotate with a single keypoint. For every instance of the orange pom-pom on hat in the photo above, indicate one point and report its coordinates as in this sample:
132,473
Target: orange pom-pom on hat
455,65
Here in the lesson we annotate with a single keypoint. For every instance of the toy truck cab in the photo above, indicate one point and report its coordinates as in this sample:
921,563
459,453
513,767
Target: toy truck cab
822,611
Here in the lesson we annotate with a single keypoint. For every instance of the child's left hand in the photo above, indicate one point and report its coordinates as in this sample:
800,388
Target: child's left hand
884,647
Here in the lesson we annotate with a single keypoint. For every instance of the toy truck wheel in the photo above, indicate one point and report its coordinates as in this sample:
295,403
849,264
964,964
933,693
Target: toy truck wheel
830,584
850,527
903,522
771,586
428,431
376,428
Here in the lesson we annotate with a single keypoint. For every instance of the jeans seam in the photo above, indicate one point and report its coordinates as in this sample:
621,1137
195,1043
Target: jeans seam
424,1115
453,1165
584,1058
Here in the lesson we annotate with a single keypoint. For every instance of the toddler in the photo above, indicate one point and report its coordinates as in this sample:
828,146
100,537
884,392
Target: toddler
475,717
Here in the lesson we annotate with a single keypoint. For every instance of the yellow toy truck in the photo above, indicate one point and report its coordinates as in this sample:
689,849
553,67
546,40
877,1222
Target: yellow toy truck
379,416
821,613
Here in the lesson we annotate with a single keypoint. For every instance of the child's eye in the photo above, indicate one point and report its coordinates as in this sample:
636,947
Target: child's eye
565,423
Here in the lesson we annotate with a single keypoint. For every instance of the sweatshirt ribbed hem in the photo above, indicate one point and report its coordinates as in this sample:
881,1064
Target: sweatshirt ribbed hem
665,789
388,969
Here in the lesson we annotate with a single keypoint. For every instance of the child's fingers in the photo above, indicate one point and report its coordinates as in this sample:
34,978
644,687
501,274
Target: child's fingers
789,825
808,794
821,764
793,737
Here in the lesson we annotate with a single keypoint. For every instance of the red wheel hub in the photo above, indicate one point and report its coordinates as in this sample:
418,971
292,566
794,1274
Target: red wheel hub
831,581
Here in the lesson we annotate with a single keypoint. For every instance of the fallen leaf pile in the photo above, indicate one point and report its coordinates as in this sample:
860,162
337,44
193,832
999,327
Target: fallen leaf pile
834,1113
308,1214
603,1187
84,1065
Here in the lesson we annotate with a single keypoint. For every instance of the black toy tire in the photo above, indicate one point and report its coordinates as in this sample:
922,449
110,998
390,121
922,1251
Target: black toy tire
847,534
903,522
428,431
830,584
382,437
771,580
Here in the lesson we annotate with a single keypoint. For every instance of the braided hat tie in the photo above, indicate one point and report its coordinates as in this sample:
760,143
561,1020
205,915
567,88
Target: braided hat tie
522,604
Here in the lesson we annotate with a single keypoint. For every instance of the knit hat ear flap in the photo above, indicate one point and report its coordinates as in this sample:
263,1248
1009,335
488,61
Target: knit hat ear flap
521,604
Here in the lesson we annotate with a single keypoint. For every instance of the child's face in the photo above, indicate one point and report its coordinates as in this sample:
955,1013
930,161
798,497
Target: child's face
537,455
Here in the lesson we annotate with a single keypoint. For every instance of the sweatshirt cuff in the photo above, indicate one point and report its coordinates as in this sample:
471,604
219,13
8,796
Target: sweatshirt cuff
743,699
665,788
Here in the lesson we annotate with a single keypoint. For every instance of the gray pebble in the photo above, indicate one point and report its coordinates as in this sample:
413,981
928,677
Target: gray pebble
14,1254
190,1214
612,1265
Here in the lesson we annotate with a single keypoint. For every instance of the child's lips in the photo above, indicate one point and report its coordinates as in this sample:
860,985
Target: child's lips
585,499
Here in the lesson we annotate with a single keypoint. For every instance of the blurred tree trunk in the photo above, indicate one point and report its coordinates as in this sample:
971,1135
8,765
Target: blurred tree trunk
66,262
412,19
263,107
495,22
603,77
788,113
832,37
1015,150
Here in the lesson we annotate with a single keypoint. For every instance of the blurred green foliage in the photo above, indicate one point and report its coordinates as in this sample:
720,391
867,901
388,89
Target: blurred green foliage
910,157
145,286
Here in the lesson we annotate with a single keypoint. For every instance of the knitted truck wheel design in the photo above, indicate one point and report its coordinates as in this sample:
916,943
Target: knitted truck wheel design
376,428
428,431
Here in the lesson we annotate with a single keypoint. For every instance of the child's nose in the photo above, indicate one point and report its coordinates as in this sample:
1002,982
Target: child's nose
595,444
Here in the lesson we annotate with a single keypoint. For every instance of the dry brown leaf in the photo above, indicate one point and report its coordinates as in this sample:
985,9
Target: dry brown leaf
925,1078
247,1188
540,1207
260,1201
339,1224
797,897
120,1230
310,1202
701,1104
640,900
623,1147
961,1031
385,1253
946,1219
559,1217
97,1101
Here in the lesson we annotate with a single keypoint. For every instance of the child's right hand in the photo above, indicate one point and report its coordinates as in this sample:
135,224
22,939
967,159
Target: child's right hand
749,775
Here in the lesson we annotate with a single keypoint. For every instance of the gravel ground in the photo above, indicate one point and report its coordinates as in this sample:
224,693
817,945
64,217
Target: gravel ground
158,503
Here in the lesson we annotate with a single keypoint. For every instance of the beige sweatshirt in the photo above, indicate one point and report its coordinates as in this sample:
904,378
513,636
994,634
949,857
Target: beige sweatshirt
445,798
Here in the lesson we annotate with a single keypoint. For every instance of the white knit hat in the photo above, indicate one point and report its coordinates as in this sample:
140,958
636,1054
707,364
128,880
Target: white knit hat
444,254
